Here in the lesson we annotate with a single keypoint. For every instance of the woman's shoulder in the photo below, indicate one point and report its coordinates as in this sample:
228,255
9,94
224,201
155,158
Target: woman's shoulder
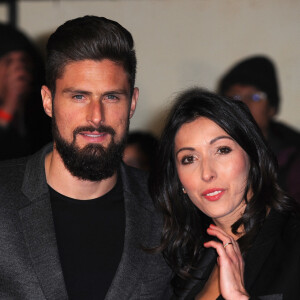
281,226
292,228
286,229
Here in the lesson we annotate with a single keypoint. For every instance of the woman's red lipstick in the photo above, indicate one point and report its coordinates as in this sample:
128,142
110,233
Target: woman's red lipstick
213,194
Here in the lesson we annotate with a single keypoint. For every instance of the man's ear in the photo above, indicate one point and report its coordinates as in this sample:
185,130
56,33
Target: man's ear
47,100
134,100
272,112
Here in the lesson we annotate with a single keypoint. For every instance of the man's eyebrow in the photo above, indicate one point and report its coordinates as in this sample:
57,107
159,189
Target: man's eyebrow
219,138
116,92
75,91
71,90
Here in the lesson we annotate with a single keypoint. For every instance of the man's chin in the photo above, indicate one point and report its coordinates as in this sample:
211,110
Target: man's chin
92,162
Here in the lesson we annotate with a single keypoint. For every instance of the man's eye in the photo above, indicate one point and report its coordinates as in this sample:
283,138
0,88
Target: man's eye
224,150
186,160
111,97
78,97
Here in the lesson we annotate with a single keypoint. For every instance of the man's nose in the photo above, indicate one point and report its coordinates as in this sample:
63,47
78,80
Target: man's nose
95,113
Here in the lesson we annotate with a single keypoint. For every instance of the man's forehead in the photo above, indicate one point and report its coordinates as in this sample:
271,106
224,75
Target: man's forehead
73,63
89,76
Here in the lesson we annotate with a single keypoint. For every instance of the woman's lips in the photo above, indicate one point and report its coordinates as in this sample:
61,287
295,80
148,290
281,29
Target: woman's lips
213,194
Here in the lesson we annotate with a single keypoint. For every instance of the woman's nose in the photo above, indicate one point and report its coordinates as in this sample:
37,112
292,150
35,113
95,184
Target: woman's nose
208,171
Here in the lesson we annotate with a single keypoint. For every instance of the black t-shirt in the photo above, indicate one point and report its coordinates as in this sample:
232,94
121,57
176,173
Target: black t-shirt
90,238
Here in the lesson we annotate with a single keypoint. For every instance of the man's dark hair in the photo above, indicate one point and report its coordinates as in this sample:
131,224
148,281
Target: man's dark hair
258,71
89,37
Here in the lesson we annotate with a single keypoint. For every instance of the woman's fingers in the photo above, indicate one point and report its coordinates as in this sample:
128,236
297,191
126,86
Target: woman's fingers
230,263
227,255
227,240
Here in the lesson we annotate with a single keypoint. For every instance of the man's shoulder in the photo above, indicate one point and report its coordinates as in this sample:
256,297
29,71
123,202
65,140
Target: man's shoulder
11,177
140,177
11,169
13,174
134,180
135,183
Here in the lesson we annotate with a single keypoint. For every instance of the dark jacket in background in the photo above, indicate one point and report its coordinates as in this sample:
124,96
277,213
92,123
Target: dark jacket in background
285,142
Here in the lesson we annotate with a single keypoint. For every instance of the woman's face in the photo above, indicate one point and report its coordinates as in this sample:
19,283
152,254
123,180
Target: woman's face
212,168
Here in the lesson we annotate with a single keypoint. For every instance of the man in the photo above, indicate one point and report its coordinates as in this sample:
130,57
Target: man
21,77
74,219
254,81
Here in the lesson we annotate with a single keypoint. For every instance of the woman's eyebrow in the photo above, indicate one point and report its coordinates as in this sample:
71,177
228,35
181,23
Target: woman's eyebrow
211,142
185,148
219,138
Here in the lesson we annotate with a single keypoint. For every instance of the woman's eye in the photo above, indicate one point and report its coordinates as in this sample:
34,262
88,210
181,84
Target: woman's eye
186,160
224,150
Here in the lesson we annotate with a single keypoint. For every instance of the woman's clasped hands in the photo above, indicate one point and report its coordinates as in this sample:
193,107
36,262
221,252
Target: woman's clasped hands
230,263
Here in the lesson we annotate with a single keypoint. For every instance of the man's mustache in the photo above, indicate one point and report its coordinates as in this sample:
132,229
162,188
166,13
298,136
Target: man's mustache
99,129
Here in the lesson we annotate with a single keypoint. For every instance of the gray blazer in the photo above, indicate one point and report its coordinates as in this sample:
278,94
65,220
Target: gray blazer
29,260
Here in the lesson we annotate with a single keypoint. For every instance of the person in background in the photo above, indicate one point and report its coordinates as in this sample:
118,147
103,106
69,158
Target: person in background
254,81
215,184
74,219
24,127
140,150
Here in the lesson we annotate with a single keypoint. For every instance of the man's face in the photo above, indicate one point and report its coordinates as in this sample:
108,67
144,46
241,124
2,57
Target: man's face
258,105
91,112
15,78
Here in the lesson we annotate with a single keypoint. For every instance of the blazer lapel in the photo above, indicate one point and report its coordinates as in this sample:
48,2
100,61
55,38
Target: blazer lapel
259,252
188,289
137,229
37,224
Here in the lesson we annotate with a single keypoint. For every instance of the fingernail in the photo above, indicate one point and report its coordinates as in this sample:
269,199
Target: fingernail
212,226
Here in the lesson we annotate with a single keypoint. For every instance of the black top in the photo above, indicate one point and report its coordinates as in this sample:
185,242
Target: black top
90,237
272,264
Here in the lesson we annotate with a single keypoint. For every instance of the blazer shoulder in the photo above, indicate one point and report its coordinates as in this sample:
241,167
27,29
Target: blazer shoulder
138,175
17,175
11,178
135,183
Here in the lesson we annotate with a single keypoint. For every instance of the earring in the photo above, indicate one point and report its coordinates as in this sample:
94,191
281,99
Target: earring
183,190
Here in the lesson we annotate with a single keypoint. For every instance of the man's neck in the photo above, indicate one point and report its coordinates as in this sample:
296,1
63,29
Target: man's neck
62,181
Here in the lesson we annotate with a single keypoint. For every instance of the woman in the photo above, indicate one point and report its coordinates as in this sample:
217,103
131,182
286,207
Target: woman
215,183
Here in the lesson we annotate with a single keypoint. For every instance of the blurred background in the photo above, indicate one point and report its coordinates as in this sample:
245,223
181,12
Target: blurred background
180,44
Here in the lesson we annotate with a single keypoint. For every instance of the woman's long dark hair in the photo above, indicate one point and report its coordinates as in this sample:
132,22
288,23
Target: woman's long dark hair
185,225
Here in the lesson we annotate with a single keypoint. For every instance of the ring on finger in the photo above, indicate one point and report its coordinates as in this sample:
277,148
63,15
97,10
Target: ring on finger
229,243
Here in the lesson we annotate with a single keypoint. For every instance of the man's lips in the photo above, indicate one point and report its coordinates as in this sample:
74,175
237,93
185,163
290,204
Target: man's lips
213,194
94,136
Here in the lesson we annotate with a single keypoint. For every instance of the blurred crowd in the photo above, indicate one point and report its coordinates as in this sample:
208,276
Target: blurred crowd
25,128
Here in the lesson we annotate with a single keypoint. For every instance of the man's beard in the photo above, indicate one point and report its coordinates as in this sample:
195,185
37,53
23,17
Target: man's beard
93,162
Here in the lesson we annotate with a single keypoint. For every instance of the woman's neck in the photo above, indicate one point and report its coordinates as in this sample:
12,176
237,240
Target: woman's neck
226,222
